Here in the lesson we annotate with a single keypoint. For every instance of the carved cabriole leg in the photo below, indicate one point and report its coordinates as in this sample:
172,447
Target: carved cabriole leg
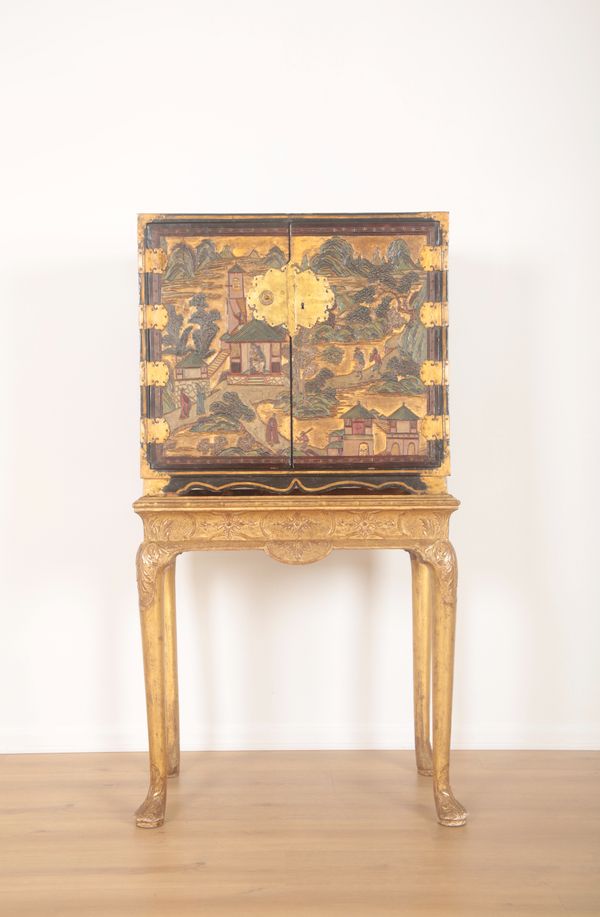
151,562
421,607
442,559
171,681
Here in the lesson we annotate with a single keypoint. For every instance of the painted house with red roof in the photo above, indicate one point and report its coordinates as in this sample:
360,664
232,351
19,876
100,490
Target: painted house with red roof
356,436
402,436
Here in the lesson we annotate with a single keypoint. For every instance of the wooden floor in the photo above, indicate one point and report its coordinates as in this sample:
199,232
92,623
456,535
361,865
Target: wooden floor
300,833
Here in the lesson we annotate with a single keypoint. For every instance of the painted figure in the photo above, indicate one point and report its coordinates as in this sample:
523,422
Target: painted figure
185,403
200,398
272,434
303,440
257,359
375,357
359,361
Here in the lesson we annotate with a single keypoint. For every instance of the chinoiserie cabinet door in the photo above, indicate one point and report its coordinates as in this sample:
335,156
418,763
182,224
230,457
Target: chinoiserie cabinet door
225,346
368,373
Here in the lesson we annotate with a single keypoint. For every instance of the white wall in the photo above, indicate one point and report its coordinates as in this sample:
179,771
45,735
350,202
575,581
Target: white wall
489,110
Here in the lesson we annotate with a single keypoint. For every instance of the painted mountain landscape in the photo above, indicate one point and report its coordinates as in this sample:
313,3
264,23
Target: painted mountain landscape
337,385
356,390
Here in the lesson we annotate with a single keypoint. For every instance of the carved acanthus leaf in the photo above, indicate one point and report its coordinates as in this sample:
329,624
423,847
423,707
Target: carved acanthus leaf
414,525
365,524
386,524
441,556
151,559
298,552
296,525
228,526
174,527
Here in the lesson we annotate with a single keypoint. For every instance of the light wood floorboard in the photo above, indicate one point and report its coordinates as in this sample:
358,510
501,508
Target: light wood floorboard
300,833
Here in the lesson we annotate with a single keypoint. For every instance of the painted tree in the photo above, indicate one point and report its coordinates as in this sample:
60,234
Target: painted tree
202,327
360,316
171,336
231,406
366,295
303,360
333,354
382,311
319,382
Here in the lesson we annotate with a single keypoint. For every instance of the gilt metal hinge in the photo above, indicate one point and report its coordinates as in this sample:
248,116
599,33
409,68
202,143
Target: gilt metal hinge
154,373
433,372
155,260
433,257
155,316
434,426
434,314
154,430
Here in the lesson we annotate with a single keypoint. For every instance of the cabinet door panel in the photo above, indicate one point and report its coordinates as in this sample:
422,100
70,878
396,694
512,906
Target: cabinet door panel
227,397
359,345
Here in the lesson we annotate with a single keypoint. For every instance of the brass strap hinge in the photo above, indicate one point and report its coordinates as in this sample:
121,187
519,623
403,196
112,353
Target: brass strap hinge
154,430
434,426
433,373
155,260
433,258
434,314
154,317
154,373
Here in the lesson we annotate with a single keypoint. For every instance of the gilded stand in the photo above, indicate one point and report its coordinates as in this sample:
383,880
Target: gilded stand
301,530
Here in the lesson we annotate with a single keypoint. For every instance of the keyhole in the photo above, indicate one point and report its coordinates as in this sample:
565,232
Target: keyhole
302,305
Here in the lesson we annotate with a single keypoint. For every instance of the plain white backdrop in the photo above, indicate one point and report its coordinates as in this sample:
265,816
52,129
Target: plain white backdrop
487,110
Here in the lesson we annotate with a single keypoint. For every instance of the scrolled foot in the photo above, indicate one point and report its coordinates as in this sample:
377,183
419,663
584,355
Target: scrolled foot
151,813
449,810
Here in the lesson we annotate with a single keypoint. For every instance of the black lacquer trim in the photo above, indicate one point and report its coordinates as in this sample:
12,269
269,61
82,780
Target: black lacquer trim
152,289
293,483
437,399
363,224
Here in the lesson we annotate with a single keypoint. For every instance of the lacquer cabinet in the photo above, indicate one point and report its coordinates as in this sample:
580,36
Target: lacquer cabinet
294,354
